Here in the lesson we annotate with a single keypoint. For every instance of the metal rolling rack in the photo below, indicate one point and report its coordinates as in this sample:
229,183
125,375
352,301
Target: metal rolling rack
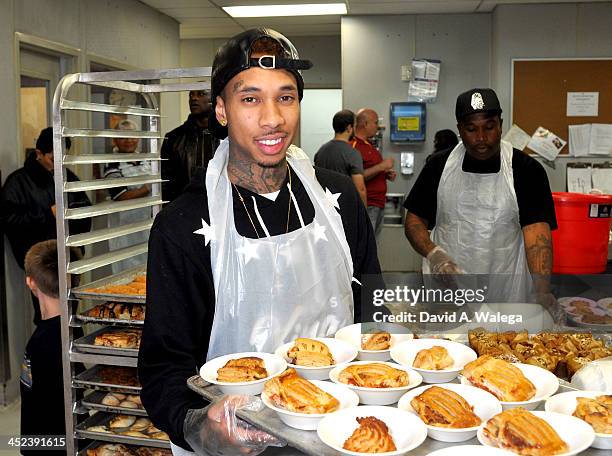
147,83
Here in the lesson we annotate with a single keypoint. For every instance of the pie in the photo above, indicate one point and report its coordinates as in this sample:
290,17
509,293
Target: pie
246,369
372,436
373,375
119,339
293,393
380,340
502,379
310,353
434,358
444,408
597,412
523,433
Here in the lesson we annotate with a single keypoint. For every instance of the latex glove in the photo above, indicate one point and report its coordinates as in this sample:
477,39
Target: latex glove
441,263
216,430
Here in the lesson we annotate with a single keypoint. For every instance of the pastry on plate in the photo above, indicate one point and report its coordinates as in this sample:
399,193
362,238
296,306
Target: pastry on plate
444,408
523,433
596,411
296,394
502,379
380,340
122,421
372,436
247,369
434,358
373,375
310,353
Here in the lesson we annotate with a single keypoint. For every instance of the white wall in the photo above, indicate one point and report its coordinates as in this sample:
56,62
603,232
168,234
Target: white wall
126,33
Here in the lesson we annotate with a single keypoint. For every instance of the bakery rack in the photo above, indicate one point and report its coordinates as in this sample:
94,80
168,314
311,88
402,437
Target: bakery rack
73,118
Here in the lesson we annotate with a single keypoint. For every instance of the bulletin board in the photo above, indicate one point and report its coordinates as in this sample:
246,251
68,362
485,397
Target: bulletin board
539,93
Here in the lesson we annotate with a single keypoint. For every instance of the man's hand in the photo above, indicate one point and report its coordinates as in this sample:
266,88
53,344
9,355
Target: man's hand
441,263
387,164
391,175
216,430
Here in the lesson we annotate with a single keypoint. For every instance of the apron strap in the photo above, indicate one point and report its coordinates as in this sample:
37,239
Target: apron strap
261,222
295,204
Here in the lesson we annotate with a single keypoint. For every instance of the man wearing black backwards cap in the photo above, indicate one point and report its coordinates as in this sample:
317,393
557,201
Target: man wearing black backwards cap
488,205
264,250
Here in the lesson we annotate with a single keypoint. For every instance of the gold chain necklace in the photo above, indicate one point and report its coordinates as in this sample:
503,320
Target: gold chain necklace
249,214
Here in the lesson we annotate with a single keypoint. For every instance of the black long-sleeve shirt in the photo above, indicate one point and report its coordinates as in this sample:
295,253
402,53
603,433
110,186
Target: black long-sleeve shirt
181,295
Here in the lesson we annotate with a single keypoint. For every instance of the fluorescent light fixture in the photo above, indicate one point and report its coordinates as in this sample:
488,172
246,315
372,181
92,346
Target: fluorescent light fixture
310,9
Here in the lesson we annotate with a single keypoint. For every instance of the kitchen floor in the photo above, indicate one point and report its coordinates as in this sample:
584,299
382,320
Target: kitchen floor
9,426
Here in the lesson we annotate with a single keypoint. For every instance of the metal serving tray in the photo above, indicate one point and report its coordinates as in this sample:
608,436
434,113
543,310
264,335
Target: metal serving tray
101,418
122,278
93,401
90,379
86,344
308,442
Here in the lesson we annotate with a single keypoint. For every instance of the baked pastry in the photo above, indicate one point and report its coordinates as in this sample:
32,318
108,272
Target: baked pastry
119,339
111,400
380,340
128,404
138,286
110,449
148,451
373,375
121,421
597,412
434,358
121,376
161,435
140,424
524,433
310,353
134,398
293,393
137,434
372,436
505,381
245,369
444,408
99,428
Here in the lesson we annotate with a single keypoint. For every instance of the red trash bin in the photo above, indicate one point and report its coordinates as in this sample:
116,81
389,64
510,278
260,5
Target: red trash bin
580,244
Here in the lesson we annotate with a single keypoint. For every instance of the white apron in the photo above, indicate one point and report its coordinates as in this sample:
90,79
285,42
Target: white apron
125,218
477,223
271,290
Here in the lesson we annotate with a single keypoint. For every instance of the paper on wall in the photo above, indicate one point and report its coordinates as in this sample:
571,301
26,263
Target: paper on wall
581,104
602,179
517,137
546,143
578,180
601,139
579,139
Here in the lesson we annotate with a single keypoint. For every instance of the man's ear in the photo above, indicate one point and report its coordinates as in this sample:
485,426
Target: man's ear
350,130
220,113
31,284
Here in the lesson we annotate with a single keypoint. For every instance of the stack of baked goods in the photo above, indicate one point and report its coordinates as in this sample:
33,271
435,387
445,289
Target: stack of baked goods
372,436
310,353
131,426
138,286
291,392
560,353
131,401
118,449
125,338
245,369
118,311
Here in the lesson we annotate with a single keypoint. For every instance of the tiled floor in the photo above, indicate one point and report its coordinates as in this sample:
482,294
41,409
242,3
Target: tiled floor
9,425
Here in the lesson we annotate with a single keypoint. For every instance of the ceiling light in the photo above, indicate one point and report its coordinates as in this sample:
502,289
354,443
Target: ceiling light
316,9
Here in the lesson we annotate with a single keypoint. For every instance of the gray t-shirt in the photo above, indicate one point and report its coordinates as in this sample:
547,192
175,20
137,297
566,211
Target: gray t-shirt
339,156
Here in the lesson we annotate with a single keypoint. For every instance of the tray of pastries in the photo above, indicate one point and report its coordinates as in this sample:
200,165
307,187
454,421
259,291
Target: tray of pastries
560,353
111,341
114,313
120,449
114,402
127,286
120,428
109,378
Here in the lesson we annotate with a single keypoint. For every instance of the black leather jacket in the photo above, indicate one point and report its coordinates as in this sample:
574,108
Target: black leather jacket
187,150
25,207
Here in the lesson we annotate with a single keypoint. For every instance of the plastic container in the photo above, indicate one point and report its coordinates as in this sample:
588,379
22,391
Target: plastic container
581,242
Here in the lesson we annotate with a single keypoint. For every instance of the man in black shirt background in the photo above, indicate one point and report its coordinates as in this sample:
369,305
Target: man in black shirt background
489,206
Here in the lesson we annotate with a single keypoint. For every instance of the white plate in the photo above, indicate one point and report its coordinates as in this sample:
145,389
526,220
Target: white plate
309,421
566,303
485,406
405,353
274,366
472,450
605,304
576,433
545,382
378,396
407,430
566,403
352,335
343,352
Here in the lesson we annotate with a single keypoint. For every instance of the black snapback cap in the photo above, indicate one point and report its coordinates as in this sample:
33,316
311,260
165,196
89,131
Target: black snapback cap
475,101
235,56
